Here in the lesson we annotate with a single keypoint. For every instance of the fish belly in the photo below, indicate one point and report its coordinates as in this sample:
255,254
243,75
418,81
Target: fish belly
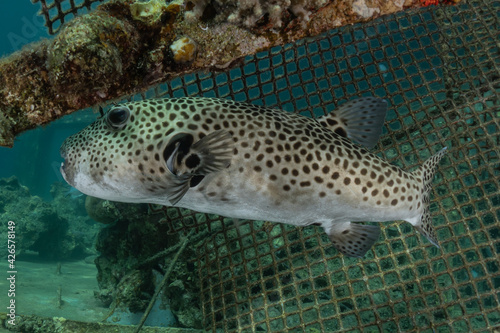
247,194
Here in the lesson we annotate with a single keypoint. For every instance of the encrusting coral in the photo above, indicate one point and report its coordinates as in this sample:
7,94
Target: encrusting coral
249,12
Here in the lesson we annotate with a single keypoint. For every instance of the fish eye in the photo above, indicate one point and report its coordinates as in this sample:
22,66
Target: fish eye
118,118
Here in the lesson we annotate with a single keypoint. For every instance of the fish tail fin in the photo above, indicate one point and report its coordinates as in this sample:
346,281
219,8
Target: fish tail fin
423,222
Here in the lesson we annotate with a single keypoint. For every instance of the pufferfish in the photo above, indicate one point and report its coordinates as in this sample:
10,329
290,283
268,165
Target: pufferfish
246,161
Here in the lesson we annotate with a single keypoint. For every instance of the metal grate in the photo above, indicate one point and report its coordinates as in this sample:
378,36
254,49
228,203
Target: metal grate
439,69
56,12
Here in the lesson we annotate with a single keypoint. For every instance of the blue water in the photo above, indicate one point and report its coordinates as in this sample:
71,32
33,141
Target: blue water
35,159
20,25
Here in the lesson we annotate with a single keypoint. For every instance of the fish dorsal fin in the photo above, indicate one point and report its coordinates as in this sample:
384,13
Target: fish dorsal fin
360,120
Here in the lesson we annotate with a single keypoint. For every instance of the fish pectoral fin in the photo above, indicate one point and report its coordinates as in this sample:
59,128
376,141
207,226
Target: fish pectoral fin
353,239
213,152
178,188
360,120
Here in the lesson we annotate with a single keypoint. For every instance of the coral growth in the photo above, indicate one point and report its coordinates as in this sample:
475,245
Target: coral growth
92,53
107,212
183,50
426,3
126,278
249,13
429,2
148,12
40,226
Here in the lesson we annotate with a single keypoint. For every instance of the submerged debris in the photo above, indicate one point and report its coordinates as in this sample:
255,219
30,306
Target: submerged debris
126,46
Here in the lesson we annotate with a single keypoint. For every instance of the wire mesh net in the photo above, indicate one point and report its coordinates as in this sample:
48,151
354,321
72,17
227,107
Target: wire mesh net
56,12
439,70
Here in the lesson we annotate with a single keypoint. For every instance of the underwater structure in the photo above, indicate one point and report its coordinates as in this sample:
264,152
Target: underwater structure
124,47
435,62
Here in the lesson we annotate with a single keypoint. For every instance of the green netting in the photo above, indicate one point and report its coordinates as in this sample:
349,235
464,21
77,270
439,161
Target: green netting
439,70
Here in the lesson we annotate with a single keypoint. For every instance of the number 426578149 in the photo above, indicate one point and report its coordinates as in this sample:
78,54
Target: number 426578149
11,244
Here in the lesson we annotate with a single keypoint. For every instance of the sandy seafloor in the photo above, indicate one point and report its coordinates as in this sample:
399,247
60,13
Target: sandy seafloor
37,285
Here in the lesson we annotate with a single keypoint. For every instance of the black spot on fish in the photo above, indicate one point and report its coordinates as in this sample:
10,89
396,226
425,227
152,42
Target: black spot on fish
195,180
192,161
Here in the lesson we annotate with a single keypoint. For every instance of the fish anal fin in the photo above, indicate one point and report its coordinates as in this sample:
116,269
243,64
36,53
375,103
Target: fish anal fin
360,120
353,239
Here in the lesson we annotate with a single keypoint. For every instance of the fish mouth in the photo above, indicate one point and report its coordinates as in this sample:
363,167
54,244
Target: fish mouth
62,168
62,152
63,172
67,173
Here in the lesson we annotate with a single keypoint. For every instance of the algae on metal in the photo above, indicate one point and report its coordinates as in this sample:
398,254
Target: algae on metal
126,46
